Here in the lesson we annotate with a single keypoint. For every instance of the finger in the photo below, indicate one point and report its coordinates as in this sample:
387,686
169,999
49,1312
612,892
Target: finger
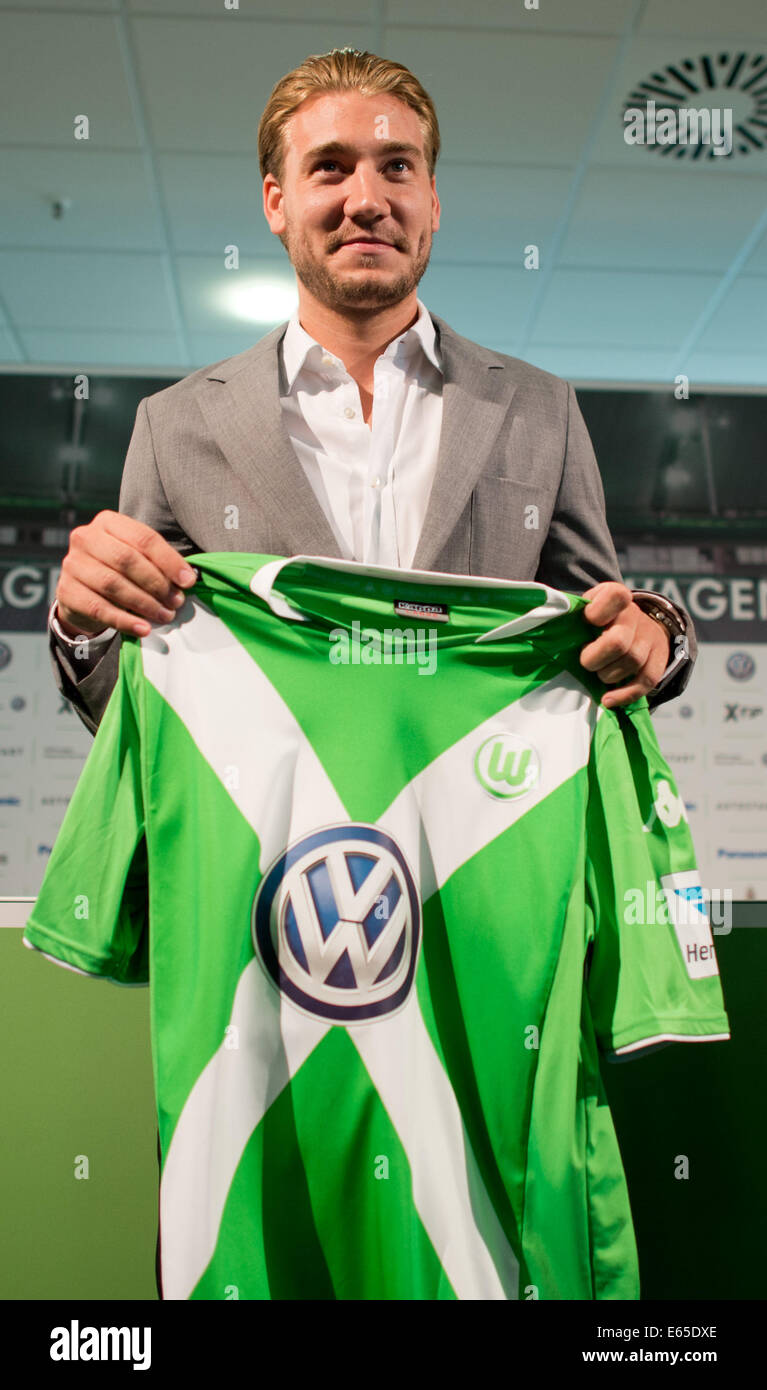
642,684
107,562
106,599
610,600
150,544
625,695
140,553
609,650
612,675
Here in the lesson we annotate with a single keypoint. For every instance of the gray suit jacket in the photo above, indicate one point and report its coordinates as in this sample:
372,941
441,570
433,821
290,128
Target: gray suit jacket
513,439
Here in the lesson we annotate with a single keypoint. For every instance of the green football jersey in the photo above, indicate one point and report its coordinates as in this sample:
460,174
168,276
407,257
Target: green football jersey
395,878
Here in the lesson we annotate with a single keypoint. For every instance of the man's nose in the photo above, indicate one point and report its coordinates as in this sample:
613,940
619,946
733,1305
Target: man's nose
366,193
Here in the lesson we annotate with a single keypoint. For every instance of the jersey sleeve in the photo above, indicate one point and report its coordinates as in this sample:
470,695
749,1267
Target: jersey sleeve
91,913
651,974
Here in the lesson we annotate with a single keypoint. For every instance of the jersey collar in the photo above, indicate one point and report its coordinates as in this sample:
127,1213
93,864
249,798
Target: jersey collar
554,603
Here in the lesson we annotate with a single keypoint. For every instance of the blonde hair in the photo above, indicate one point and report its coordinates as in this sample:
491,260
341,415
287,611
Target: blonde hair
341,70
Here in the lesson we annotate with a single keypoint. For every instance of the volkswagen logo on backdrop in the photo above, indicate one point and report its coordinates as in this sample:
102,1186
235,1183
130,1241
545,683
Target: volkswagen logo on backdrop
337,922
741,666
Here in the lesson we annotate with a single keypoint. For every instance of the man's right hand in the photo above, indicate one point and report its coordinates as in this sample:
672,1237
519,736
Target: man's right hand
119,573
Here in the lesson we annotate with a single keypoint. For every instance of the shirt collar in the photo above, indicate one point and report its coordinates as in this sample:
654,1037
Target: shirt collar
299,349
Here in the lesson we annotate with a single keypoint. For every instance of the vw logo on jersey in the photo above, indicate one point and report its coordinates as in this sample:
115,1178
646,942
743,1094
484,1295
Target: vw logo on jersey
507,766
337,923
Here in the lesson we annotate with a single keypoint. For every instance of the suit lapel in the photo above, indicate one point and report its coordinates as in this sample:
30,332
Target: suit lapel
240,400
476,392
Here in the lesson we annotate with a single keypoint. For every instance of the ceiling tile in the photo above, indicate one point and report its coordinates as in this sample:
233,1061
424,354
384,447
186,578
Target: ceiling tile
702,18
207,290
71,64
210,348
757,263
8,351
30,7
214,201
740,322
492,212
235,66
601,363
30,179
484,304
331,11
88,289
605,308
727,368
501,96
644,220
587,17
83,350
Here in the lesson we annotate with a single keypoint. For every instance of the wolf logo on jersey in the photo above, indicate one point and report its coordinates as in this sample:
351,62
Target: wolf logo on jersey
506,765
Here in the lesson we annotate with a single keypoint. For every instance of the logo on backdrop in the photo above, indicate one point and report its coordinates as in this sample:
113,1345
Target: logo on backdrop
5,655
741,666
336,923
507,766
735,713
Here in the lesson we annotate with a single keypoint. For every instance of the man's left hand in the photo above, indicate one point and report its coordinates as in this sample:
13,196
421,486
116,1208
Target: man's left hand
633,648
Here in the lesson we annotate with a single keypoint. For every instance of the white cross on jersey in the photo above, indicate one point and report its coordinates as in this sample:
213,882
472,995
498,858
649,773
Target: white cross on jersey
291,796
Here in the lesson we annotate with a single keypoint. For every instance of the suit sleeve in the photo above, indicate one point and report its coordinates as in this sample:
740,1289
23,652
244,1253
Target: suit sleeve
91,912
652,976
578,551
142,496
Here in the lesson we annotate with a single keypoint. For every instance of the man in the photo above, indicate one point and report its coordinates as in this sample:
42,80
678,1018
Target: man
365,428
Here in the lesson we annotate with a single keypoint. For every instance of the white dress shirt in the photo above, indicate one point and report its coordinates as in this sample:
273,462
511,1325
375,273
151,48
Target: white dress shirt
372,481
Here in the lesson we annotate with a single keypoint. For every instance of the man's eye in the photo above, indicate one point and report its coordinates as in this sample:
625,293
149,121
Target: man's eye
333,164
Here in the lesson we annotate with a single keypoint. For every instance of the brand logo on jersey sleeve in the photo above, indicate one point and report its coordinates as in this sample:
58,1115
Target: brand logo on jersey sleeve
337,921
687,911
507,766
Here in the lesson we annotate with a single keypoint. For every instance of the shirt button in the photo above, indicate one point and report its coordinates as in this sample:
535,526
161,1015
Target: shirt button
327,360
349,413
376,482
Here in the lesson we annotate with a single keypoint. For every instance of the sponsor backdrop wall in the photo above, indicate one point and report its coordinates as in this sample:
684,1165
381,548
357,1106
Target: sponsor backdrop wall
715,735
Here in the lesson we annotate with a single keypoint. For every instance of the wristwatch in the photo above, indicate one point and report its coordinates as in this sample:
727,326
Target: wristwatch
663,611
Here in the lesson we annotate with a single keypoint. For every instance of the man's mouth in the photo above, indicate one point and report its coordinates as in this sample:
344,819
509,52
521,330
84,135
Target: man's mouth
364,243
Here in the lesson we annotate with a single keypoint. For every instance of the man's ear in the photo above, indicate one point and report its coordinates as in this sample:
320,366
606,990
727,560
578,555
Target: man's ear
273,209
435,205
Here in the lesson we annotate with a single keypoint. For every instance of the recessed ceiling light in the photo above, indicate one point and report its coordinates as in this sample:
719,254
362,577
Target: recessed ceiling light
259,299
